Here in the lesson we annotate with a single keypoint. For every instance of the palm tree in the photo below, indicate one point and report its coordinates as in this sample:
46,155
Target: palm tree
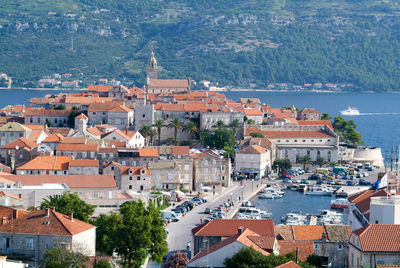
190,127
219,124
152,134
305,160
235,125
145,131
159,124
320,161
176,124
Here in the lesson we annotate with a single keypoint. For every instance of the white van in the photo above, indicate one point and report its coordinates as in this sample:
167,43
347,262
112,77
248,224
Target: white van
170,215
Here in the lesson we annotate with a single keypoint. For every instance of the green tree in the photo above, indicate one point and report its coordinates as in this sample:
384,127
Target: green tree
315,260
102,264
304,160
145,131
326,116
159,124
176,124
235,125
60,257
48,123
347,131
320,161
220,138
133,234
69,202
257,135
191,127
229,151
71,117
283,164
219,124
152,133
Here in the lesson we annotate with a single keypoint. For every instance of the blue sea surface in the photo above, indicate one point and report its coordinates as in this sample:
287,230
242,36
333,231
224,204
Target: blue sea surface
294,201
378,122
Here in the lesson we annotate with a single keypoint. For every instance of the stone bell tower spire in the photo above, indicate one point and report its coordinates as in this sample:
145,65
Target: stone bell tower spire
152,68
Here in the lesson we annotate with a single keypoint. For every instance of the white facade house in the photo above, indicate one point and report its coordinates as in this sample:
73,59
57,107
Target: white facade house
253,160
132,139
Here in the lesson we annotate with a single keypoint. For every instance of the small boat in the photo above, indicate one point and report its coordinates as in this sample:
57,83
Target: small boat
294,188
350,111
303,188
339,203
252,213
269,195
318,190
330,217
294,219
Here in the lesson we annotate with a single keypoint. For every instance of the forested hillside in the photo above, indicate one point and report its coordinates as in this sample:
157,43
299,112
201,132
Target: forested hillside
233,42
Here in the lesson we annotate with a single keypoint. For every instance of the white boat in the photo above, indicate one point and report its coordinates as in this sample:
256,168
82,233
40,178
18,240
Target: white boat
294,188
269,195
273,190
303,187
252,213
350,111
330,217
318,190
294,219
340,203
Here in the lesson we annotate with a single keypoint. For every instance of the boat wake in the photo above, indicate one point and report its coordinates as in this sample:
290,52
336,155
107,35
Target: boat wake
379,114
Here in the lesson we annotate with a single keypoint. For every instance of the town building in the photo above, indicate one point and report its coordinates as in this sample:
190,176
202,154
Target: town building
137,179
211,169
112,113
53,117
309,114
253,161
213,232
29,236
132,139
12,131
375,244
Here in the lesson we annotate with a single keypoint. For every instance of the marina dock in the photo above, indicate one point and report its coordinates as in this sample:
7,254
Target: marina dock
346,191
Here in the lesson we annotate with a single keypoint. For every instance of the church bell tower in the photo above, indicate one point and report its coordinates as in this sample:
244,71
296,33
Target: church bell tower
152,68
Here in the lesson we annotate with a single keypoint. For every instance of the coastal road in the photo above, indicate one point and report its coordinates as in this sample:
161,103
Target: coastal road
180,233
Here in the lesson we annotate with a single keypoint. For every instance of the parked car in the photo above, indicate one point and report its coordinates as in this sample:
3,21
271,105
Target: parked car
171,215
363,182
331,182
197,202
282,177
207,211
350,183
178,211
294,180
365,174
320,181
189,203
314,177
184,208
345,177
305,181
288,180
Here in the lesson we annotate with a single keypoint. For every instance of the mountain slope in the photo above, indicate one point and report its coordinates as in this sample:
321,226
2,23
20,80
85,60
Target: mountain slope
230,41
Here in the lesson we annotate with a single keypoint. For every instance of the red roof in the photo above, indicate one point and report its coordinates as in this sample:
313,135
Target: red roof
77,147
94,88
179,150
83,163
169,83
229,227
33,223
289,264
315,123
72,181
379,237
304,248
253,112
271,134
21,143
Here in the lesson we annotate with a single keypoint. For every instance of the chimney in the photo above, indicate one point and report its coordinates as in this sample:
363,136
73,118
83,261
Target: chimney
71,216
20,196
240,230
4,220
47,212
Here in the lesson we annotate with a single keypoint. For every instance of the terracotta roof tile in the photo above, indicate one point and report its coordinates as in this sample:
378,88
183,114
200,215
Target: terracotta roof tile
229,227
72,181
169,83
77,147
47,163
253,149
304,248
315,123
308,232
180,150
275,134
148,152
242,238
10,213
82,116
266,242
21,143
95,88
53,138
284,232
289,264
375,238
253,112
33,223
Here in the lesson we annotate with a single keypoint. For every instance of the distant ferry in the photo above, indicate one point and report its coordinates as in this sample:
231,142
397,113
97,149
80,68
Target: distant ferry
350,111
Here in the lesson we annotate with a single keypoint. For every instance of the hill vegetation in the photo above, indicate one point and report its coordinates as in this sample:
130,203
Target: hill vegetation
232,42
